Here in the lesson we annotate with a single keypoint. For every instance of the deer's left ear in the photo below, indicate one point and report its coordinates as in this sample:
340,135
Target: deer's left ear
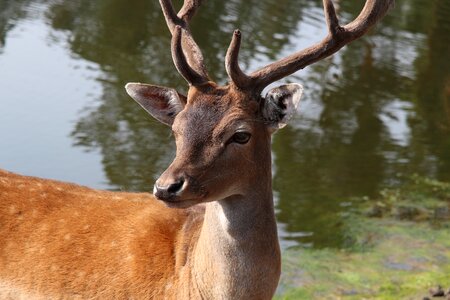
280,104
161,102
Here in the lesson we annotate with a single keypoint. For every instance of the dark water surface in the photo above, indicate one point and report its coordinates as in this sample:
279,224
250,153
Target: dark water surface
371,115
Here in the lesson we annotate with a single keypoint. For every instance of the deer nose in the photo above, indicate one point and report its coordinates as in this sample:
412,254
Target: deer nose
167,190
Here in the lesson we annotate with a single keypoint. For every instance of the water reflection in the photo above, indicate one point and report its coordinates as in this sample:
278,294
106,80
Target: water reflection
10,12
376,111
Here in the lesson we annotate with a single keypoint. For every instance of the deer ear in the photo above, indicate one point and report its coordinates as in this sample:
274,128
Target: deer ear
280,104
161,102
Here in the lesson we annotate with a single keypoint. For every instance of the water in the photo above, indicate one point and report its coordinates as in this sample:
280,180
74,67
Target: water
373,114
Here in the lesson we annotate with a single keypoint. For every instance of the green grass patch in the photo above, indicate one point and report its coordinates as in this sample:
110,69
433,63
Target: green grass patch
397,254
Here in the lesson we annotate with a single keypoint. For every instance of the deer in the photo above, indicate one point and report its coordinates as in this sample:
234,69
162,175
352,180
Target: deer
209,230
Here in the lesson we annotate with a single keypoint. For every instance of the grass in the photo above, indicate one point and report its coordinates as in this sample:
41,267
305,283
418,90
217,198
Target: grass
400,248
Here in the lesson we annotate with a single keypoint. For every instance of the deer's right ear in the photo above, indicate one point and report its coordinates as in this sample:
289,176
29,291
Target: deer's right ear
161,102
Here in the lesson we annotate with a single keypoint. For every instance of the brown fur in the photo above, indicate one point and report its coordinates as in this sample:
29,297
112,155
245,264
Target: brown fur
64,240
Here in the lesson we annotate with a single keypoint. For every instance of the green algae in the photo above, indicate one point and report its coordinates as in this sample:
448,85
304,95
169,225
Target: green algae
398,253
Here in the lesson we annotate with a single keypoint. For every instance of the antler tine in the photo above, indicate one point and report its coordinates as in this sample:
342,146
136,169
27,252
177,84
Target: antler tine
170,15
337,38
189,9
180,60
331,18
192,54
235,73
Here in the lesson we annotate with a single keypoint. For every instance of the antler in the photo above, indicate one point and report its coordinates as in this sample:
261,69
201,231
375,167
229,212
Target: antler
338,36
186,54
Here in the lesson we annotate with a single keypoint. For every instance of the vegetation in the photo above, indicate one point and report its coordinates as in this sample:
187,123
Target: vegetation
399,248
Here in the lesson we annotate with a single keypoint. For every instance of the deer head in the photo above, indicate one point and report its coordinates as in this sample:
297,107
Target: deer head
223,133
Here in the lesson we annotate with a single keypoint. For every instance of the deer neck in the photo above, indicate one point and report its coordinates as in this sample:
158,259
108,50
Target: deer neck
237,254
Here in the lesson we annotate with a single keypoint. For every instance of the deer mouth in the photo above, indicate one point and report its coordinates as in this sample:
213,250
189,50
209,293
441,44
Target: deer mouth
184,200
180,203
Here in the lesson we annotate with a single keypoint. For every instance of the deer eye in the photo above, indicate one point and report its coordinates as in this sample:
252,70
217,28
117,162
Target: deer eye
240,137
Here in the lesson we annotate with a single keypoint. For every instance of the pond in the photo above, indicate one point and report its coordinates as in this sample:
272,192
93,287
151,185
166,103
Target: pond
373,114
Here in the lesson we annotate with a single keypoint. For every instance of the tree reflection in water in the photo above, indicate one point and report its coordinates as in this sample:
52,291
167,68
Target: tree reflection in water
377,110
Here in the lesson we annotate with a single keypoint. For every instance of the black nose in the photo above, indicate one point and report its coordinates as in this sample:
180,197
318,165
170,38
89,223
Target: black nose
165,192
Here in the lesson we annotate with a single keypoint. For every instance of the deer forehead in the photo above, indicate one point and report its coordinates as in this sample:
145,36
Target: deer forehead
210,115
206,125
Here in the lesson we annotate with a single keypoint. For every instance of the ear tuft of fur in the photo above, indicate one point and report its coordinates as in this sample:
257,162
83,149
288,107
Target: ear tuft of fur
281,104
